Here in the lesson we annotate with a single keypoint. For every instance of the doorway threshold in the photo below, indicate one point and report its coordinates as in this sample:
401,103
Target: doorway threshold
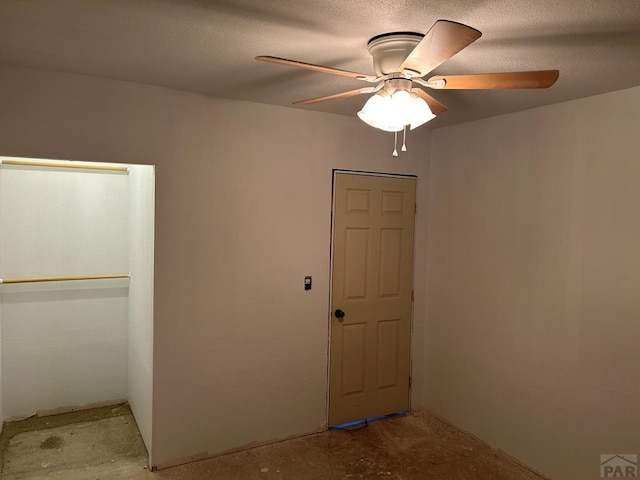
358,424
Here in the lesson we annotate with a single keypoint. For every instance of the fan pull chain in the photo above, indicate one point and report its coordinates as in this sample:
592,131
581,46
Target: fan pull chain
395,145
404,139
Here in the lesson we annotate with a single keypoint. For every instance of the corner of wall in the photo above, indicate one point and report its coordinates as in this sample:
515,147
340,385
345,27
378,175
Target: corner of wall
420,278
141,242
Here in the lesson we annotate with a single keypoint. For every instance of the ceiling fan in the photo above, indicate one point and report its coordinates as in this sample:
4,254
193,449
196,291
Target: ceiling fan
402,59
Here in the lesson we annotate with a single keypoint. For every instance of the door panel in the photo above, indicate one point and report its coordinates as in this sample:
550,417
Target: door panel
388,353
356,256
353,353
392,202
372,284
390,261
358,200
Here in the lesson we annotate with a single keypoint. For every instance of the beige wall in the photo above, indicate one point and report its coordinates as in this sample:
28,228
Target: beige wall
243,194
534,282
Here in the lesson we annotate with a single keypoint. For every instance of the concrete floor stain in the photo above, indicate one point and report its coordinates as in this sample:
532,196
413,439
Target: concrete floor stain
51,442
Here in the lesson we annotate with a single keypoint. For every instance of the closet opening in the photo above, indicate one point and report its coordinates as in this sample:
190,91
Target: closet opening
76,288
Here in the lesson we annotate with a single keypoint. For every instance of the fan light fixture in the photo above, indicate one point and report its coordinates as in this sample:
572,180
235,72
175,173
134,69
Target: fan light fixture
392,113
394,108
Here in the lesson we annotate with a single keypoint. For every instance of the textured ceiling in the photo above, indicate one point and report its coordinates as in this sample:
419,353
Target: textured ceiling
209,46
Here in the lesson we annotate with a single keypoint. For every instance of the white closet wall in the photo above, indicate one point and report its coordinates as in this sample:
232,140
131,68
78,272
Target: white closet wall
64,344
141,229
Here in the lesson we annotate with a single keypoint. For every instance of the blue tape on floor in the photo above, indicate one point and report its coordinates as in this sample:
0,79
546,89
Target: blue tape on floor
367,420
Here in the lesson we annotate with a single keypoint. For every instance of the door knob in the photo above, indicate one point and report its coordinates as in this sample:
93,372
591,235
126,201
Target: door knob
339,314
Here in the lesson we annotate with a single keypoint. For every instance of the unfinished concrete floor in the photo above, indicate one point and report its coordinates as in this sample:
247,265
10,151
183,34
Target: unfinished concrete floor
105,444
90,444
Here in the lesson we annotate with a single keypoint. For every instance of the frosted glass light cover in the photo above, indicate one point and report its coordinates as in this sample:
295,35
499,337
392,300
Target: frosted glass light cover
420,113
391,114
378,112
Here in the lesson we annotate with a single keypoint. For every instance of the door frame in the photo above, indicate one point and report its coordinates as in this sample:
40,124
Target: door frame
335,172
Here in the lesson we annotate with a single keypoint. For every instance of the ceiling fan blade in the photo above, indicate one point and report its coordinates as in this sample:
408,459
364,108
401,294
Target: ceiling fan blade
443,40
434,105
539,79
315,68
335,96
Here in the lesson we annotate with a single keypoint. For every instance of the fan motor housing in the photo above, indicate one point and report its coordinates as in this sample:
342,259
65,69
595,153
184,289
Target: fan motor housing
390,49
393,85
